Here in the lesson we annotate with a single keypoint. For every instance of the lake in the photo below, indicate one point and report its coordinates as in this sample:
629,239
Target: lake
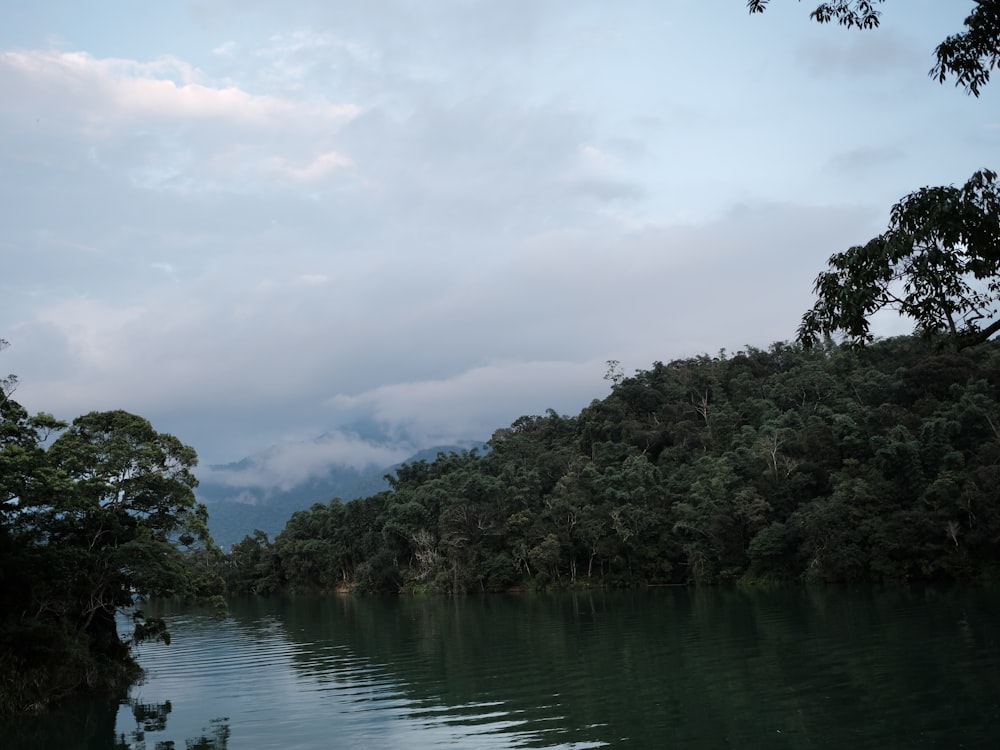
909,667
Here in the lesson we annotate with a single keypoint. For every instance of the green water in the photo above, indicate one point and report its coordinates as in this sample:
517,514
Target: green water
673,668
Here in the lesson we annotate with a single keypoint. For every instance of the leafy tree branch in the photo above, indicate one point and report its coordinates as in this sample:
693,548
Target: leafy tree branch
969,56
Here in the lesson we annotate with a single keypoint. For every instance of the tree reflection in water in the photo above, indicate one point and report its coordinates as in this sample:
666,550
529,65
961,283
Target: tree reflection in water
152,717
99,724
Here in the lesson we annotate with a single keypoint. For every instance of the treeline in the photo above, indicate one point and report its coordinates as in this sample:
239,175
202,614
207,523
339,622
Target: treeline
830,464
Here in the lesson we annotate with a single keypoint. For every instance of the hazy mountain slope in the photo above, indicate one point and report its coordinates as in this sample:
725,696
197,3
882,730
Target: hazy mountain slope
242,497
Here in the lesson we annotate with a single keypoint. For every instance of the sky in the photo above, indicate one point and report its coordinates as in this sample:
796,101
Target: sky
398,224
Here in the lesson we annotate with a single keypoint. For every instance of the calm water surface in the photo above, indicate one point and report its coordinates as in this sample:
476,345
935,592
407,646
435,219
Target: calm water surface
675,668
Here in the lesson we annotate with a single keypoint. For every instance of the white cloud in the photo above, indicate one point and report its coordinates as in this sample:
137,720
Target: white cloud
165,126
598,161
321,167
432,349
225,49
600,175
289,464
109,91
475,401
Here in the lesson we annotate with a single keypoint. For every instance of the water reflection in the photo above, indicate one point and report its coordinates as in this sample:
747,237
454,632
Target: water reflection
461,671
104,724
151,718
802,668
291,673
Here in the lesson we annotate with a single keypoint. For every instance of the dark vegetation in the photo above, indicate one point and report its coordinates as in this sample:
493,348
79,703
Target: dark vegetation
828,464
91,523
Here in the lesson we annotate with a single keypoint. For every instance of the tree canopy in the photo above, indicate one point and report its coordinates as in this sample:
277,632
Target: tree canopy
786,464
91,523
938,263
969,56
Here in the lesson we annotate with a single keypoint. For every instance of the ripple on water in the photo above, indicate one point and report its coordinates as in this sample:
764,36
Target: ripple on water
682,669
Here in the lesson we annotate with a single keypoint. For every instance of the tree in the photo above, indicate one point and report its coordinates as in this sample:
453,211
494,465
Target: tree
9,383
90,527
968,56
937,263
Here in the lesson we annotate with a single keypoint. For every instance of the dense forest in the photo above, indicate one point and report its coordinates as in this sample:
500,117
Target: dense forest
826,464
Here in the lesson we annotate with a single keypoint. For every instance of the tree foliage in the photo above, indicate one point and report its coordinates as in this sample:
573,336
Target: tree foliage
968,56
854,14
91,523
793,464
937,263
971,55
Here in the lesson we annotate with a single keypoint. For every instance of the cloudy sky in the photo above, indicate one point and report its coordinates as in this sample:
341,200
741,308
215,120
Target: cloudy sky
257,222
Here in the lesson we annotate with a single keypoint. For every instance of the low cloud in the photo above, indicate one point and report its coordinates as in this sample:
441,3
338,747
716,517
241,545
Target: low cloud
288,465
431,350
473,403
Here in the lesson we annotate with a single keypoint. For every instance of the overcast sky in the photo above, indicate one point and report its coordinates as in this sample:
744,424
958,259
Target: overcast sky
258,222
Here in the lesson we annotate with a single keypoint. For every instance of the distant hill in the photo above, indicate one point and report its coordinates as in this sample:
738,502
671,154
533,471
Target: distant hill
238,504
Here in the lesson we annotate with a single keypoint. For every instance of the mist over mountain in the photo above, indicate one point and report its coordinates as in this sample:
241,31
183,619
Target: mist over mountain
262,491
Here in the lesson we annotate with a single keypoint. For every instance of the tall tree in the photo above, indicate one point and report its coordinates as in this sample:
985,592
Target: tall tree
88,528
969,56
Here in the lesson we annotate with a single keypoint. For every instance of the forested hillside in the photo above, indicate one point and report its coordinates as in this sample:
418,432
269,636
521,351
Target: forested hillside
825,464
